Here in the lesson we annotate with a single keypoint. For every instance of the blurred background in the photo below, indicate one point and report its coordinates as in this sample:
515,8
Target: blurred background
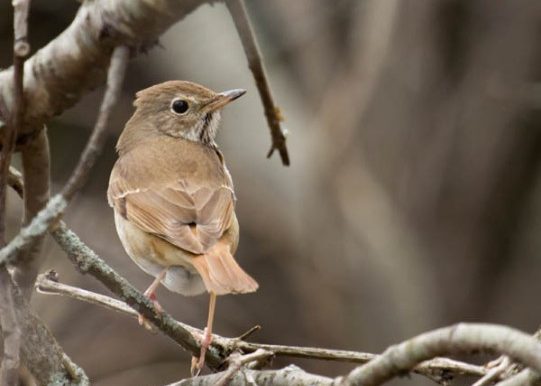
413,197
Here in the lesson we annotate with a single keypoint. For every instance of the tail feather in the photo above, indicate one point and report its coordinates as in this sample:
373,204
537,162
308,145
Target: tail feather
221,273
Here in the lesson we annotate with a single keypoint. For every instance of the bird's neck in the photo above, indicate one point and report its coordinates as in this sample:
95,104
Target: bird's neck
135,133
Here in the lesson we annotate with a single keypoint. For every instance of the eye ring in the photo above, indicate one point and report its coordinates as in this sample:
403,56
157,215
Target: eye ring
179,106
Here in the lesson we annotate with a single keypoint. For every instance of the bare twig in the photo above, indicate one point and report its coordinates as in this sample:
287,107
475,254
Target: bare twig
238,12
56,205
249,332
94,147
47,285
76,373
459,338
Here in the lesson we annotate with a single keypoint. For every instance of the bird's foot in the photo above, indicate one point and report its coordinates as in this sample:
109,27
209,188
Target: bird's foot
198,363
151,295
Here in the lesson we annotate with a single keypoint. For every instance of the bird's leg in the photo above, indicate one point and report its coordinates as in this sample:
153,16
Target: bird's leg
150,293
206,339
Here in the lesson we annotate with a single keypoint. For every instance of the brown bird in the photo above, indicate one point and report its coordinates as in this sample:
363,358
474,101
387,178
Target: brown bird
173,197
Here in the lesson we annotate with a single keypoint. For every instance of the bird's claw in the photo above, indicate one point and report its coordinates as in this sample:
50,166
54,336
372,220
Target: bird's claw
198,363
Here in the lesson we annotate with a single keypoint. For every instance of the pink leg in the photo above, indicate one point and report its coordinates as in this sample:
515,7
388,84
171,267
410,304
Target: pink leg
206,340
151,294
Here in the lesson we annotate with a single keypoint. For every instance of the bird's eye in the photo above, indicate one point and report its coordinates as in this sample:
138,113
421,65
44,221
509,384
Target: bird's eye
179,106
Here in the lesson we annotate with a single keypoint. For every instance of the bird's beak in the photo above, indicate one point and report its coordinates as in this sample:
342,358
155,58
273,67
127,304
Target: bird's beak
223,98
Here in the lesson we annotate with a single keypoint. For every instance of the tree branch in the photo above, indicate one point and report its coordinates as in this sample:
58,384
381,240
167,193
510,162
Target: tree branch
459,338
10,330
40,351
56,205
9,321
238,12
76,61
288,376
526,377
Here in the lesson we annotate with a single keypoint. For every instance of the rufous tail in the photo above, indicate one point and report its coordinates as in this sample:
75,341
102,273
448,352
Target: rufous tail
221,273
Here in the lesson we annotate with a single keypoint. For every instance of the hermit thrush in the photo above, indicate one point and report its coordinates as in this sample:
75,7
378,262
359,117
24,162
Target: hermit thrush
173,197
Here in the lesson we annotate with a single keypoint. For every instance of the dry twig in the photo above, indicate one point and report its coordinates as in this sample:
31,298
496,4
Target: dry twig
238,12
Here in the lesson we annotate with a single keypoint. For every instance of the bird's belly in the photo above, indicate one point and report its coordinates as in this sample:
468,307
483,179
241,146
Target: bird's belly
153,255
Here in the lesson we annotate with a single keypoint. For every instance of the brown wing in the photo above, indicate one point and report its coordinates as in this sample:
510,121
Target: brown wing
189,216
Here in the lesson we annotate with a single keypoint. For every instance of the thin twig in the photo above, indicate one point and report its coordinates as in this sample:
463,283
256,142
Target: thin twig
249,333
56,206
47,285
240,17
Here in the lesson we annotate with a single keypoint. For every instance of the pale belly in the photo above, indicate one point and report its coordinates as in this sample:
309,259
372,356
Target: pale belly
153,255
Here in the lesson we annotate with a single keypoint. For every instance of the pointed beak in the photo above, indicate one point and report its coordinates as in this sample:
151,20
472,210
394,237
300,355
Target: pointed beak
223,98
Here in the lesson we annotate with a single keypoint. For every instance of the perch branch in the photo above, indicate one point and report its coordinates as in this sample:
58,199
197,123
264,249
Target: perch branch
87,261
237,9
56,205
459,338
47,284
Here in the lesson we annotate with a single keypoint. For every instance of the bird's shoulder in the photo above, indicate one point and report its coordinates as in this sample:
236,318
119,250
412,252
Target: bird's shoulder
167,161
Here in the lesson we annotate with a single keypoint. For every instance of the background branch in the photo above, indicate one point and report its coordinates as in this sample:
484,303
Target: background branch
36,167
56,206
459,338
9,319
249,43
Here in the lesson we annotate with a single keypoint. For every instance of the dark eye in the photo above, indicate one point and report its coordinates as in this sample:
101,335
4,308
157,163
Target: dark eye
179,106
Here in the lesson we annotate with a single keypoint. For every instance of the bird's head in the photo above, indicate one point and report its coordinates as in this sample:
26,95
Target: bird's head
181,109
